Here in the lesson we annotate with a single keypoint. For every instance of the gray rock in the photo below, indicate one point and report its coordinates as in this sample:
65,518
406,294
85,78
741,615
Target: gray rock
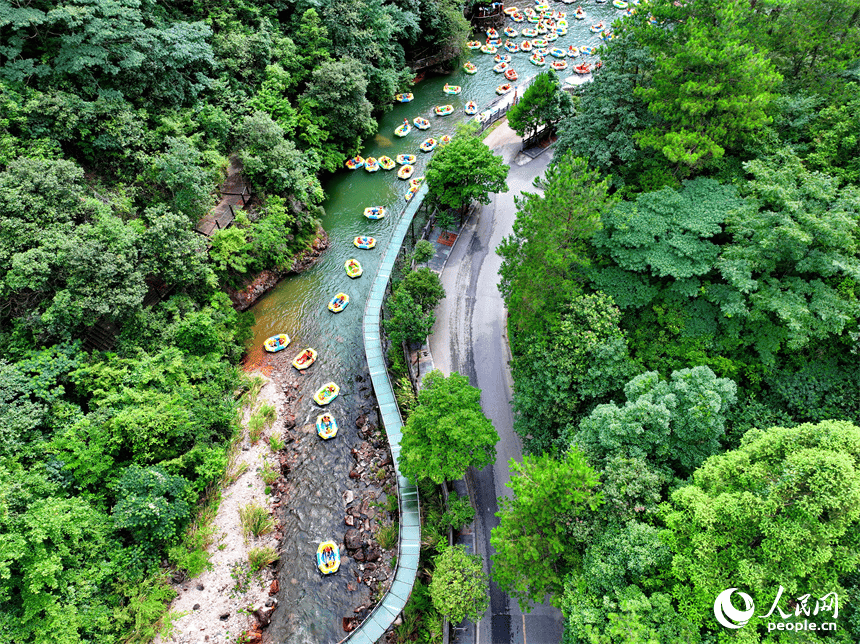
352,539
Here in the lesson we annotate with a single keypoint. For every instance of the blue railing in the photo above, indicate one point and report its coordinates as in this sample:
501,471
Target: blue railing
395,599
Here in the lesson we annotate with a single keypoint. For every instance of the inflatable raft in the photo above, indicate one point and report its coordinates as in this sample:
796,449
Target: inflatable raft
326,393
328,557
364,242
374,212
352,268
277,343
305,359
338,303
326,426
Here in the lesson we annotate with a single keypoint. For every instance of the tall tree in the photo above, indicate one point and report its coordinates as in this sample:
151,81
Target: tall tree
678,422
542,260
465,170
459,587
712,86
447,432
780,511
543,104
531,541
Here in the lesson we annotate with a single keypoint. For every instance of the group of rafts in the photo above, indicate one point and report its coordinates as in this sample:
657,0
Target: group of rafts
548,26
328,552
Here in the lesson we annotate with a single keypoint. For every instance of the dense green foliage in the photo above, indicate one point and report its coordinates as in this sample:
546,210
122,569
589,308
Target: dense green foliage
464,171
542,105
447,433
411,306
118,122
459,586
717,276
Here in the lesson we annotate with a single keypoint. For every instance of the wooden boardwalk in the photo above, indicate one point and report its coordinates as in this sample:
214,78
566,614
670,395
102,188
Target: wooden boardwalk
235,194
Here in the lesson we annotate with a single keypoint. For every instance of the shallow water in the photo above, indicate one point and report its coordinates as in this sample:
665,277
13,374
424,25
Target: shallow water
310,606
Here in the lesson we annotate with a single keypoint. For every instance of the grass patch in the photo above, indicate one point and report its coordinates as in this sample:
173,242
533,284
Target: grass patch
235,473
259,558
386,536
269,473
261,420
276,444
249,399
255,520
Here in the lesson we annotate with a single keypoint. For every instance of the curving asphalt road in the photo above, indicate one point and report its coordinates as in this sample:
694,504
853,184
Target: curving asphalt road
470,337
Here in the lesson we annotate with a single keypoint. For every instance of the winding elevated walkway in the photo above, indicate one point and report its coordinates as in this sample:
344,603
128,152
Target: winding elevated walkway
395,599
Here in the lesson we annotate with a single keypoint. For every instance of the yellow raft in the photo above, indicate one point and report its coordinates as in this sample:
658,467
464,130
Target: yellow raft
353,268
326,393
277,343
338,302
305,359
326,426
328,557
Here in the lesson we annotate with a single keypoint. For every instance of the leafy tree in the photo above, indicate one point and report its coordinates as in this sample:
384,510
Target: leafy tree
781,510
151,504
678,422
336,94
181,170
56,572
407,320
542,259
447,433
424,286
273,163
610,116
424,250
561,373
465,170
806,45
792,267
711,85
543,104
459,587
531,541
172,251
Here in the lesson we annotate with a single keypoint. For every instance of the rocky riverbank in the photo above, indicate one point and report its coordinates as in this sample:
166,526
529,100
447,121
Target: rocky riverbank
265,281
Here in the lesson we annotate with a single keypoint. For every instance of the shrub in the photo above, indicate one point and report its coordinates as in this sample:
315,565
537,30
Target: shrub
259,558
255,520
151,504
386,536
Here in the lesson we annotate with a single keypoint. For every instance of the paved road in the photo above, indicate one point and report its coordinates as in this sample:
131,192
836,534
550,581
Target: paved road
469,337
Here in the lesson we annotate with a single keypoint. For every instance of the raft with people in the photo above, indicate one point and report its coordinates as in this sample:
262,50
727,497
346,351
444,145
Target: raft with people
406,159
338,303
374,212
364,242
473,44
511,47
503,89
428,145
421,123
305,359
405,171
276,343
355,162
488,49
353,268
511,74
326,426
326,393
328,557
452,89
443,110
526,45
371,164
471,108
558,65
500,68
403,98
510,32
470,68
403,129
386,163
445,139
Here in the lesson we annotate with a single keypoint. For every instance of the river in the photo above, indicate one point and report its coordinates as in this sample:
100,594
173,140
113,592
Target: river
311,607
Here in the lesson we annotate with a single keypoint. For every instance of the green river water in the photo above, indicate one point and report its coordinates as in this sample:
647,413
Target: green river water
311,607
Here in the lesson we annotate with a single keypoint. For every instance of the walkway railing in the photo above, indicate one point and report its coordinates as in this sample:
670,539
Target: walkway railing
395,599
